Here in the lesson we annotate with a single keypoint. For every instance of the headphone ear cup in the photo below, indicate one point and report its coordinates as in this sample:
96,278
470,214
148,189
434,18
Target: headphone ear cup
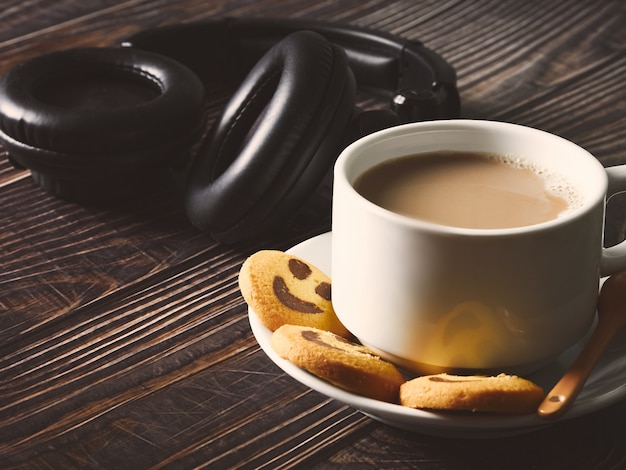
290,112
93,124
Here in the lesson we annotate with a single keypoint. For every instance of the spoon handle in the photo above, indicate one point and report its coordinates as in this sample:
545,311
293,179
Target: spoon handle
564,393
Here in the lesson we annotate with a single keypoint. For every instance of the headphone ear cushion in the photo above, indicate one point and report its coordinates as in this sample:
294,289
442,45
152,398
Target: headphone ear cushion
84,120
290,113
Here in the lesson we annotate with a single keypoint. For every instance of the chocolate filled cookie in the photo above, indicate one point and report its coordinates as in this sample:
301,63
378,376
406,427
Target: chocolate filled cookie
284,289
497,394
341,362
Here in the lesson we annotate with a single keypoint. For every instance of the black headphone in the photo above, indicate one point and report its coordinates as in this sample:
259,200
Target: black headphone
92,124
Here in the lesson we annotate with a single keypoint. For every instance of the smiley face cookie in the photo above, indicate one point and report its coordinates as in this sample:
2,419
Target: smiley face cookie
284,289
341,362
497,394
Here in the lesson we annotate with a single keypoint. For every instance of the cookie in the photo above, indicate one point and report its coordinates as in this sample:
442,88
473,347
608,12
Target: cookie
498,394
341,362
284,289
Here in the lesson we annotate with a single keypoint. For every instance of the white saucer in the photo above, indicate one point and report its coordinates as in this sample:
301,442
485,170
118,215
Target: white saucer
607,384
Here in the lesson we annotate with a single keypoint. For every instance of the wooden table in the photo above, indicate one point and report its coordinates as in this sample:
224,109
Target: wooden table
124,340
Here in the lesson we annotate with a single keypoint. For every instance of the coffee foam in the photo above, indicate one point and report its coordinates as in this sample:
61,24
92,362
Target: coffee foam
555,184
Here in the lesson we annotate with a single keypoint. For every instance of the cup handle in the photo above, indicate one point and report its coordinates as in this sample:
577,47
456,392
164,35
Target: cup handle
614,258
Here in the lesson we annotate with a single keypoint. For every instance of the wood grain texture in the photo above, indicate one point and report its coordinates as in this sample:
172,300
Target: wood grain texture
124,341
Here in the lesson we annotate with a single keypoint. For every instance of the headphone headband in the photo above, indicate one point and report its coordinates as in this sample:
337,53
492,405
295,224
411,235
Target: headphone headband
383,64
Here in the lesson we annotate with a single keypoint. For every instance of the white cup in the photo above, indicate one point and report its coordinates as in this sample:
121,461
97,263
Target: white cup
432,298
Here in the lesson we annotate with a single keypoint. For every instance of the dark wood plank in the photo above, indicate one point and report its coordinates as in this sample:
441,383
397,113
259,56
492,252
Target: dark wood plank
124,340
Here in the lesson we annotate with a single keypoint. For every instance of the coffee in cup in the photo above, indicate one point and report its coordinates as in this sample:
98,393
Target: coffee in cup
439,294
467,189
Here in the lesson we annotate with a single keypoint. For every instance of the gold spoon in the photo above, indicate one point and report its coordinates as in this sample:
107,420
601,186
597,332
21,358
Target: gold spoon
611,319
